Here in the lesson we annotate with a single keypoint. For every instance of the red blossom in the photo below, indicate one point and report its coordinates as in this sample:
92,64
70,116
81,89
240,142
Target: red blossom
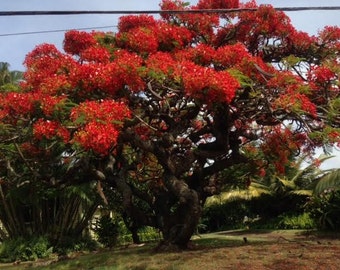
171,5
321,74
208,85
17,104
49,129
231,55
295,102
49,104
106,111
220,4
138,39
202,54
77,41
330,35
172,37
95,54
280,144
97,136
160,65
126,23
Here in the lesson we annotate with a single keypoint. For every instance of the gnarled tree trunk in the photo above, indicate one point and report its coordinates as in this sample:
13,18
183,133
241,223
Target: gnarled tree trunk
181,220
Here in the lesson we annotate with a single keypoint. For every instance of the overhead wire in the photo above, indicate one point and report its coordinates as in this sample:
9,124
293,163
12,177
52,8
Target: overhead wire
56,30
186,11
121,12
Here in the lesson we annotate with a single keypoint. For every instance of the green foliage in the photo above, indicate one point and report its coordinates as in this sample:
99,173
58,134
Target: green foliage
265,212
113,231
225,216
330,181
21,249
107,231
287,221
325,203
325,210
302,222
69,244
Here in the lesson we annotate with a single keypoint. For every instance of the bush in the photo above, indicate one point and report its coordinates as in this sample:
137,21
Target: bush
21,249
263,212
107,231
325,210
69,244
298,222
225,216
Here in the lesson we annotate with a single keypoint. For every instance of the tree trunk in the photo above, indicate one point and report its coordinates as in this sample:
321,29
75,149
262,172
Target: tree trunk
180,224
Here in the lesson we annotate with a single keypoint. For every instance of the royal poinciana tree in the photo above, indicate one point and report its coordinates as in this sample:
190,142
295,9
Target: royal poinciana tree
157,111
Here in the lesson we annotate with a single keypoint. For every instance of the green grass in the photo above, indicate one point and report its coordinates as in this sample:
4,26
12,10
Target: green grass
210,251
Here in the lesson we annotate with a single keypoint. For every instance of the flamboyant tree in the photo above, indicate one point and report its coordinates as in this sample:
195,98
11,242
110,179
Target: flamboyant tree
158,110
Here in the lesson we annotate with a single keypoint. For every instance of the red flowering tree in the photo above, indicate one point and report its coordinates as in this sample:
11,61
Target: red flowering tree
158,110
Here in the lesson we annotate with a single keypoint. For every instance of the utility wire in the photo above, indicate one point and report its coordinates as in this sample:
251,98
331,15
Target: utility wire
55,31
40,13
81,12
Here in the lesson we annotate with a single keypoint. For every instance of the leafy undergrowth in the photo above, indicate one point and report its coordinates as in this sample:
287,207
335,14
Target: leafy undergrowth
223,250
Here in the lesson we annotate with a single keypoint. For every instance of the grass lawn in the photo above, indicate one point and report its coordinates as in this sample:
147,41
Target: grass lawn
237,250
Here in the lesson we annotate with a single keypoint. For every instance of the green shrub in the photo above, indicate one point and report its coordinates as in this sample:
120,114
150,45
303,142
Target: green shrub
225,216
21,249
262,212
147,233
325,210
69,244
107,231
301,222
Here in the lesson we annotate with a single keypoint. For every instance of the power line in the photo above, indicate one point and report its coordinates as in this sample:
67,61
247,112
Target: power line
82,12
54,31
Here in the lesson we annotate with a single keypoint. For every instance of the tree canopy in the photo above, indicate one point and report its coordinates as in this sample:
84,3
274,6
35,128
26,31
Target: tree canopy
158,110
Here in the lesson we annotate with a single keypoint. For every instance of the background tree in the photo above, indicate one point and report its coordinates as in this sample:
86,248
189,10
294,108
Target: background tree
36,197
158,110
9,79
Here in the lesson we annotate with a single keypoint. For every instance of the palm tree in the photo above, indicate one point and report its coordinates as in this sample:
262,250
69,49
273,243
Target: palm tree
9,78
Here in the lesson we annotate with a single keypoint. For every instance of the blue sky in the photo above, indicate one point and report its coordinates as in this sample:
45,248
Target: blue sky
14,48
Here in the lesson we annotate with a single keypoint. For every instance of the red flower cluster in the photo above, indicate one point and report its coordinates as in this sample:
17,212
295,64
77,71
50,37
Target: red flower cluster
199,24
99,124
172,37
49,104
106,111
280,144
141,40
321,75
95,54
77,41
171,5
50,129
14,104
202,54
160,65
47,68
110,77
151,38
292,101
126,23
231,55
330,36
208,85
96,136
221,4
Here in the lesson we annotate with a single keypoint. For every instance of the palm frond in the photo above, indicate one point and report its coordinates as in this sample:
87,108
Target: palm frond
331,180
